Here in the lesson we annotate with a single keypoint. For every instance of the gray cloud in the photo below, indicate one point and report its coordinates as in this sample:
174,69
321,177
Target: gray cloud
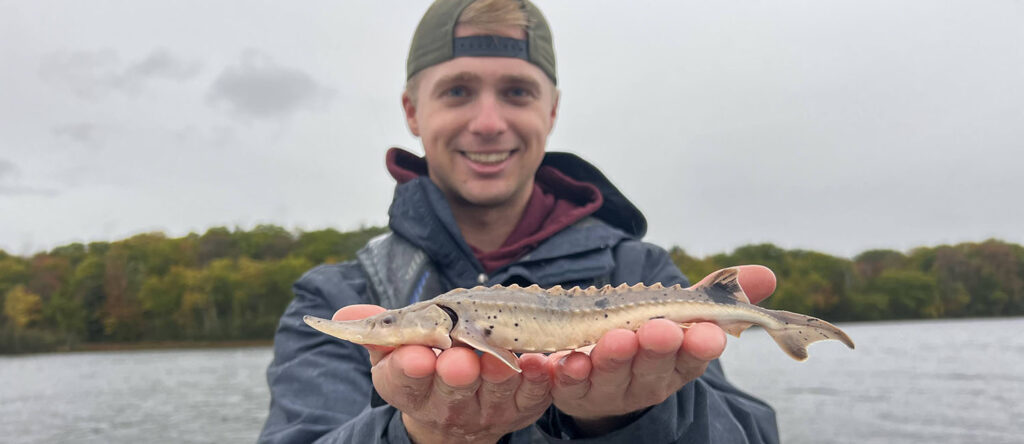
161,64
84,133
95,74
258,87
7,169
10,186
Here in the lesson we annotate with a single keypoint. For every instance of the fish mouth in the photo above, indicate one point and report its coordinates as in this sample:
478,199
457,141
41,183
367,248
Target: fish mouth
347,330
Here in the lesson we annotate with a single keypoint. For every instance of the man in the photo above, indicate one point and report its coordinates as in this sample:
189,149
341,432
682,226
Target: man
487,205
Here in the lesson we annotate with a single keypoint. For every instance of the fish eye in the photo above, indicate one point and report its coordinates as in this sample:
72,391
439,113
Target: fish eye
387,320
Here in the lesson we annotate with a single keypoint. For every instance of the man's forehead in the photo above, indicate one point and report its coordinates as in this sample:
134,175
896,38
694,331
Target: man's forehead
471,77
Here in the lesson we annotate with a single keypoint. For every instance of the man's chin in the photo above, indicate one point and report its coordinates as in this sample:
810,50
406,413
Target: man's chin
487,199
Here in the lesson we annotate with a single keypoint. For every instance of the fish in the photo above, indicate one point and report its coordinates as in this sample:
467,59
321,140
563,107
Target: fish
505,320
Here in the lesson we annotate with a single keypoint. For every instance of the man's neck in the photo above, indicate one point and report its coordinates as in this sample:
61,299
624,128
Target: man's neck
487,228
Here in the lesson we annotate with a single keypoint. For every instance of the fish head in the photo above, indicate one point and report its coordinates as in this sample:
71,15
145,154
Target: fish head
420,324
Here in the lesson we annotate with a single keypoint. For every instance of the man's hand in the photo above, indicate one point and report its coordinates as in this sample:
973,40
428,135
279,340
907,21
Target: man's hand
456,396
627,372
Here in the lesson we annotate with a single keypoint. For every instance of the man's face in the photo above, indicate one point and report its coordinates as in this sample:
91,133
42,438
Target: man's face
483,122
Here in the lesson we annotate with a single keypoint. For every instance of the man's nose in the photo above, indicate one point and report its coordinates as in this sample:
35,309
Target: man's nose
489,120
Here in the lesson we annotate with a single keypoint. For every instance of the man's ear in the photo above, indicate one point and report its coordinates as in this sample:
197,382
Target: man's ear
410,114
554,109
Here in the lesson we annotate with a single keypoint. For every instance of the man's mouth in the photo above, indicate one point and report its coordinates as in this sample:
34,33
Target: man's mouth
488,158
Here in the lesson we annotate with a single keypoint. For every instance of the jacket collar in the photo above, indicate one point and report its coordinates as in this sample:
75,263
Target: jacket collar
420,213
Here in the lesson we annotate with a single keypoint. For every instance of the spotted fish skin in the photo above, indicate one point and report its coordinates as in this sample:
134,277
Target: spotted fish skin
501,320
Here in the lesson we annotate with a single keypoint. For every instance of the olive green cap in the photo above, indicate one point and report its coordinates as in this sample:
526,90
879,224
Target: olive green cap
434,41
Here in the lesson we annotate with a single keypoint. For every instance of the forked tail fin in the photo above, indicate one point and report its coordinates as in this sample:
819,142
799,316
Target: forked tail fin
797,331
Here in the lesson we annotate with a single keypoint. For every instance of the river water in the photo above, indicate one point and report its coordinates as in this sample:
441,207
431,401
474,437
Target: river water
908,382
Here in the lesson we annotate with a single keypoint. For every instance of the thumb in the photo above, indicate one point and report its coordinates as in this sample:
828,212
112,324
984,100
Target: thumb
758,282
360,311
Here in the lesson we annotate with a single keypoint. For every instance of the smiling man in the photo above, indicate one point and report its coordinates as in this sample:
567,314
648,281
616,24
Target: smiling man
488,205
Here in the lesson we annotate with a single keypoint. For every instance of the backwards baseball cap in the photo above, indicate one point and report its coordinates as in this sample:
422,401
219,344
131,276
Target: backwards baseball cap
435,42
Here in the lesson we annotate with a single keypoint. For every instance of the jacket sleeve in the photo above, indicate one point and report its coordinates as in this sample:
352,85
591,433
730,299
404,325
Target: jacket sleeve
320,387
707,410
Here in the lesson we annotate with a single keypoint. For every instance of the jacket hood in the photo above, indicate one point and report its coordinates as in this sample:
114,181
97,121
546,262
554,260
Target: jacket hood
616,210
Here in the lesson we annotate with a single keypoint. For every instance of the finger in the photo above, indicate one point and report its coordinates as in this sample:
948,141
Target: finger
458,372
361,311
659,340
498,383
357,311
453,397
702,343
757,281
534,390
404,377
612,359
570,375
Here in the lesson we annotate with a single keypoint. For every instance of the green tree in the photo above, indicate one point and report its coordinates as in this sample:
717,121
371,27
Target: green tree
48,275
161,298
86,289
122,314
320,246
206,307
265,242
910,293
872,263
216,243
67,317
22,307
13,271
73,253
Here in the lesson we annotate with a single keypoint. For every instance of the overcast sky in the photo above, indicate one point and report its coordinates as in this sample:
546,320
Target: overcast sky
837,126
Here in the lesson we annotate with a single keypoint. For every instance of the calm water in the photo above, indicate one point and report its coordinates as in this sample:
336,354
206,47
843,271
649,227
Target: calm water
907,382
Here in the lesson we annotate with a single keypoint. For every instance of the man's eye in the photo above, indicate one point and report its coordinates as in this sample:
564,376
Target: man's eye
457,91
518,92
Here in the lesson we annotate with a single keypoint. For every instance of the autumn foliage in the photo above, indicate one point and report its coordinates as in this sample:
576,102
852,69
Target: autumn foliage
234,284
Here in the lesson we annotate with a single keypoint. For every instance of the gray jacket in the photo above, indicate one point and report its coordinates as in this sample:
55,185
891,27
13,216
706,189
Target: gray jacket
320,386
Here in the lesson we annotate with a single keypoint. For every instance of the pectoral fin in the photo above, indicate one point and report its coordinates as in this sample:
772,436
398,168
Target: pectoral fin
473,336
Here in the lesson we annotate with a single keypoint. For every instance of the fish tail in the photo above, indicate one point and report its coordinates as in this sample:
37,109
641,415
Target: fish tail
796,331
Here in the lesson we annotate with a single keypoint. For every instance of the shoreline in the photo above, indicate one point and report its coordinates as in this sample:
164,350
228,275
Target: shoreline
166,345
149,345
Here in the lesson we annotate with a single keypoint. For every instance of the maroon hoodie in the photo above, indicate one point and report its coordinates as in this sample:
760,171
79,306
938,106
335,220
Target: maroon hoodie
557,201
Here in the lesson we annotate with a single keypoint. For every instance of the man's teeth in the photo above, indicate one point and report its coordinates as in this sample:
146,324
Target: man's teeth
488,157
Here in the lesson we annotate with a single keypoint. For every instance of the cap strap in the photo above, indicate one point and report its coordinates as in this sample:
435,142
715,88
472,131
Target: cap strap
490,46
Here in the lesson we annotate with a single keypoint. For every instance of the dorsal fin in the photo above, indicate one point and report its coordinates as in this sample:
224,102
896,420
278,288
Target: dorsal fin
725,281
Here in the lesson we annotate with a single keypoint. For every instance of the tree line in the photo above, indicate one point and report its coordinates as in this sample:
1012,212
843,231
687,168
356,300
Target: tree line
234,284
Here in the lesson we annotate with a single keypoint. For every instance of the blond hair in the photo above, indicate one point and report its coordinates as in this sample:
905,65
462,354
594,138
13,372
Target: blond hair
492,15
489,16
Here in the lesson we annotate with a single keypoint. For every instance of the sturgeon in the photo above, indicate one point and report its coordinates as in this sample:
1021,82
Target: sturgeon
503,320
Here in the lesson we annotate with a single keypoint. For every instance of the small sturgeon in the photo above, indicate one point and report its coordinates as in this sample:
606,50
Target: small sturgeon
500,320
